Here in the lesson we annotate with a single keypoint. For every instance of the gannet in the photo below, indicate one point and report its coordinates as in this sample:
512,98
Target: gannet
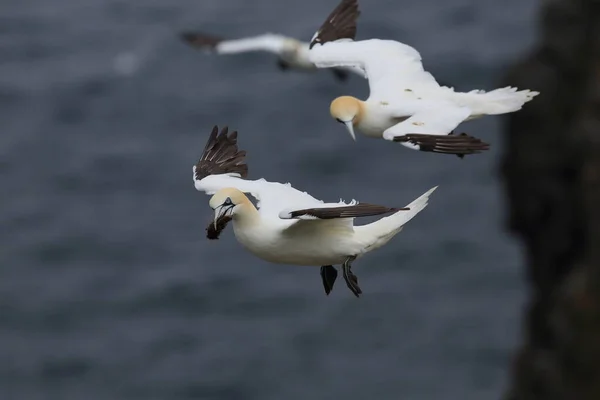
406,104
290,226
291,53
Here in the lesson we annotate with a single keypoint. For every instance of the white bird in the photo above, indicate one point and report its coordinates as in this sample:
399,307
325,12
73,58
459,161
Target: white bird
406,104
291,54
290,226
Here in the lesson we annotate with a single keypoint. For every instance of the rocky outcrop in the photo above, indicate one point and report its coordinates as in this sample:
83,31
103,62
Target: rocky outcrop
551,174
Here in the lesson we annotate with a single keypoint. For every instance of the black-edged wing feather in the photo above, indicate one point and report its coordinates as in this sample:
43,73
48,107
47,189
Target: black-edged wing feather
352,211
340,24
201,40
221,155
447,144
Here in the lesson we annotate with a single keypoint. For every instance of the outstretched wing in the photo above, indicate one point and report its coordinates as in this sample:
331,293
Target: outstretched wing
268,42
336,211
201,40
339,216
223,165
435,119
429,130
390,66
459,145
272,197
221,156
340,24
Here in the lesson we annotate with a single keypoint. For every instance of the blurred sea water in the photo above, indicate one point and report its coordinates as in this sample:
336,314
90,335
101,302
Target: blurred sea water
108,286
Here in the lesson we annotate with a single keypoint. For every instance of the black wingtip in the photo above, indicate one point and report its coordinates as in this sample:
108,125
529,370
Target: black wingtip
459,145
221,155
340,24
200,40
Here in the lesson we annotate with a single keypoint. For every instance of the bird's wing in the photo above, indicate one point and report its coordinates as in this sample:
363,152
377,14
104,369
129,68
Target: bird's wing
430,130
440,120
268,42
221,156
284,206
272,197
223,165
338,216
335,210
357,69
340,24
391,67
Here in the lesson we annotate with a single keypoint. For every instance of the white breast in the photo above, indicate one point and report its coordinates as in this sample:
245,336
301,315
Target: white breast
315,248
377,119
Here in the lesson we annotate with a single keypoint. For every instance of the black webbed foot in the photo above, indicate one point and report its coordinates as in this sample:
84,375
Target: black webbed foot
328,275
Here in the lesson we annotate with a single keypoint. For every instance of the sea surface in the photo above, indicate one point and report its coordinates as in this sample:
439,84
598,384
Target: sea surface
109,289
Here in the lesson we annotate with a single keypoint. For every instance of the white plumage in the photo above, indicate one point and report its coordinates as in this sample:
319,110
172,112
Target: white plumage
399,85
291,226
404,99
291,53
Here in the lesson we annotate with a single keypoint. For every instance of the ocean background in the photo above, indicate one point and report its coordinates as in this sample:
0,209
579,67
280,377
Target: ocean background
110,290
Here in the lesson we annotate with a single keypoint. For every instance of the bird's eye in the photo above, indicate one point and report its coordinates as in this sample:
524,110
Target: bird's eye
227,202
339,120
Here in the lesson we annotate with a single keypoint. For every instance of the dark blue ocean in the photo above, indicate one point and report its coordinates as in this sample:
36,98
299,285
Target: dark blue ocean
109,289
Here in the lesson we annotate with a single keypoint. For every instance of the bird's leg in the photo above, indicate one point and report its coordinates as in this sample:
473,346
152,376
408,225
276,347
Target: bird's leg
349,277
328,275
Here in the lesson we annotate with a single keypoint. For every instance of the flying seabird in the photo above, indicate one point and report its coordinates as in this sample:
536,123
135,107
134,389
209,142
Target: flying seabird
291,54
406,104
290,226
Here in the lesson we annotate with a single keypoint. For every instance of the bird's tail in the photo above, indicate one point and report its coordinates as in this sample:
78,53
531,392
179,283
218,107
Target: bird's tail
498,101
381,231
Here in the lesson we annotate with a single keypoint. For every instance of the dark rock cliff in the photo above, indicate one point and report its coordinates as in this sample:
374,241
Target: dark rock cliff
551,175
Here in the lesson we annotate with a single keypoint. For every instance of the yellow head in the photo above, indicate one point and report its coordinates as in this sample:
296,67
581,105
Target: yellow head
347,110
226,203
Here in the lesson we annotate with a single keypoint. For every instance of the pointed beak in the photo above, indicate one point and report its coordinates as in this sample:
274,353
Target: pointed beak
350,129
